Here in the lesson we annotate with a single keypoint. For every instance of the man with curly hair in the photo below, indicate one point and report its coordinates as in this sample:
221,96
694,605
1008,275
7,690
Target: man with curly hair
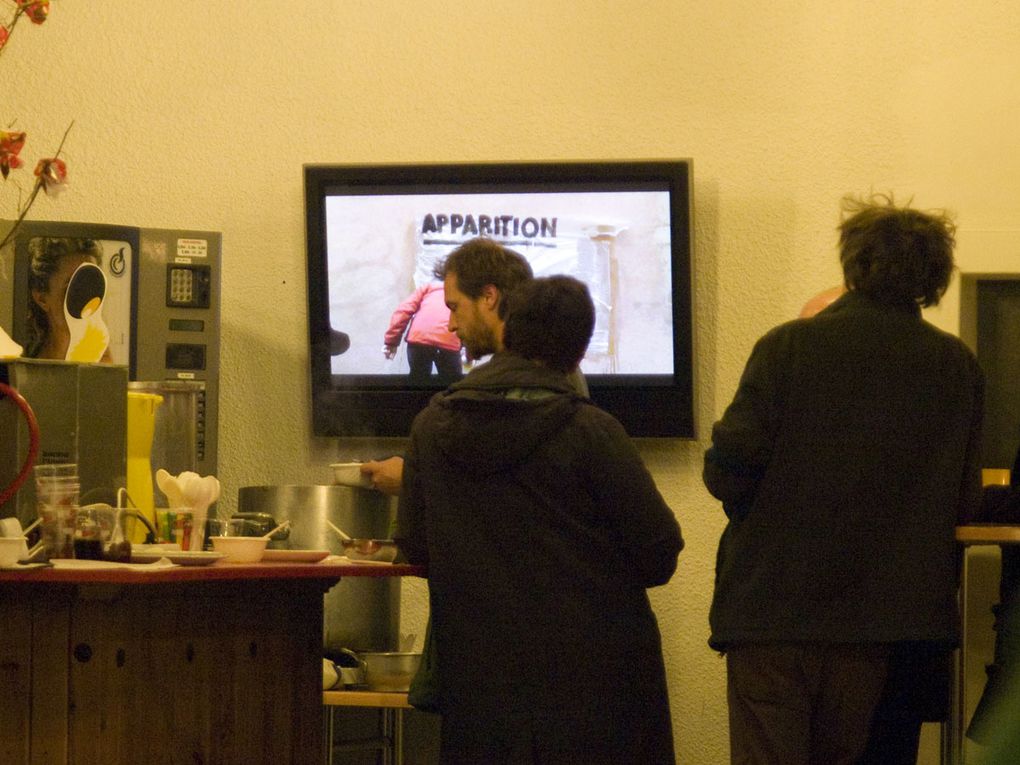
846,459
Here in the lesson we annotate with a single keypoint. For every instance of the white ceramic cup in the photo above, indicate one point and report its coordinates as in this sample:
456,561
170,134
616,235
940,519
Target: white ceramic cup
10,527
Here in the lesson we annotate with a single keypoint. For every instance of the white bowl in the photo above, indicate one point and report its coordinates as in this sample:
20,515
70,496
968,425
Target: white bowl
240,549
330,676
349,474
12,549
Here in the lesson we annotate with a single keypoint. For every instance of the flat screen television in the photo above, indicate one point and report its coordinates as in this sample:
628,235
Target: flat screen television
375,232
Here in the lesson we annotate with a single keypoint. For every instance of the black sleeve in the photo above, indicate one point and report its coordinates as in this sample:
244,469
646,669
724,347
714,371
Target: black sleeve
410,534
742,440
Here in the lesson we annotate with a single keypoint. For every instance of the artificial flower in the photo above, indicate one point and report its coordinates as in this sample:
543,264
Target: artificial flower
52,174
10,146
36,10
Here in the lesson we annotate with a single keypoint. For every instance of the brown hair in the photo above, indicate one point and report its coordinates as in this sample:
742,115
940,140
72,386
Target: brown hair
550,319
896,255
479,262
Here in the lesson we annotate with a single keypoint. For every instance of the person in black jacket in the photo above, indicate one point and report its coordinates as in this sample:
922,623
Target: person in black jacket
846,459
918,673
541,530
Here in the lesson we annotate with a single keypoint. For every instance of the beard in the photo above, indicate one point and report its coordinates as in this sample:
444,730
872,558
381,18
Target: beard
481,341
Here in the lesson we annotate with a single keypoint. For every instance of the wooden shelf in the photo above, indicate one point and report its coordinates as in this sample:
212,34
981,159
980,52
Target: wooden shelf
988,534
387,700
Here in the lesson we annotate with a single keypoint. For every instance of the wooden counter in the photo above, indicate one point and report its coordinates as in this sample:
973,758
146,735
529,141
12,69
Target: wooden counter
211,664
216,572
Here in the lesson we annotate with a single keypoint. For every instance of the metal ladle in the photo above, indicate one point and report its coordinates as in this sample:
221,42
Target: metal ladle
365,549
363,546
340,532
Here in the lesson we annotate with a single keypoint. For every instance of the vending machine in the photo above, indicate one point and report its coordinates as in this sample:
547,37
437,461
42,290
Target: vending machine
162,310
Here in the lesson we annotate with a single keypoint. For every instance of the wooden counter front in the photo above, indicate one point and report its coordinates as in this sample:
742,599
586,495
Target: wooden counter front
212,664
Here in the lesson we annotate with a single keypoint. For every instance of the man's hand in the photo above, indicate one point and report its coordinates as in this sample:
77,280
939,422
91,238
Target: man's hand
385,474
389,351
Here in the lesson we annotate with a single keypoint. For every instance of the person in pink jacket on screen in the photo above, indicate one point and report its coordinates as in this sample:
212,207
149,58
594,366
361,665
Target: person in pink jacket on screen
423,321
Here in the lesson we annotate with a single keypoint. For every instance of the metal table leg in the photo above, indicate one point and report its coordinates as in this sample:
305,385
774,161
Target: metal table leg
398,737
329,735
951,750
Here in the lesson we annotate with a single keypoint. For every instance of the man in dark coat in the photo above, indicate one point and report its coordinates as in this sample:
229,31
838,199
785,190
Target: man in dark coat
541,530
845,460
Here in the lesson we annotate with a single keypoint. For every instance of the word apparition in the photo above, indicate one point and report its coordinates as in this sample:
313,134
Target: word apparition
488,225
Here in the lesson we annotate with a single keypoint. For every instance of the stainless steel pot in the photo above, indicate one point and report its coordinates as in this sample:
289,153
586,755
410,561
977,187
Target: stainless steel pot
359,611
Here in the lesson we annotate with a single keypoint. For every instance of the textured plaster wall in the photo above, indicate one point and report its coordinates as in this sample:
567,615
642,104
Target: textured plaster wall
197,114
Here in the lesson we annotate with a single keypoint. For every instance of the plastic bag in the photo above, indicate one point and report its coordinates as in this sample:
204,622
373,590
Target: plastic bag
424,692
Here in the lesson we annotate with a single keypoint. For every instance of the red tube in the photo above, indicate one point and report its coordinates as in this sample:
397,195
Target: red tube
33,441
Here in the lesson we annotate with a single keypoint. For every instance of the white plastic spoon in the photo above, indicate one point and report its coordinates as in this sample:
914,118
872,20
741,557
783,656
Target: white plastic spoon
283,525
169,485
340,532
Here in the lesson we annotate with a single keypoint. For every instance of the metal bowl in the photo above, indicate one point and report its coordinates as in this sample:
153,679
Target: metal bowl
384,550
389,671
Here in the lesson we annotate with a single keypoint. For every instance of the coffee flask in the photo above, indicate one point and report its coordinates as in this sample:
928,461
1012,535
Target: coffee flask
141,424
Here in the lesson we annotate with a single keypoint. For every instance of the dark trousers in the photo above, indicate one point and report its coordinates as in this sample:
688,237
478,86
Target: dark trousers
802,703
916,690
421,359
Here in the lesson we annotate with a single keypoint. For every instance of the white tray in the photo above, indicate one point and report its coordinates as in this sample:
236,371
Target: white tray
295,556
180,557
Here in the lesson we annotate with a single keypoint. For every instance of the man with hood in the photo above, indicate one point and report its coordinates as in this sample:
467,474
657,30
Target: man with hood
541,530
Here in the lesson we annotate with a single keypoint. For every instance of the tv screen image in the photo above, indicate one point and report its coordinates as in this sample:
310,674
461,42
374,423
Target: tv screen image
615,242
375,234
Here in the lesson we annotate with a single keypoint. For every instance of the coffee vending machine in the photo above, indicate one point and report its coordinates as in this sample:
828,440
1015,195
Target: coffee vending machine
162,309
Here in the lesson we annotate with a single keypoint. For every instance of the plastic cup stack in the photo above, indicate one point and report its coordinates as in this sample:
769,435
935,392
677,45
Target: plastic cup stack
56,491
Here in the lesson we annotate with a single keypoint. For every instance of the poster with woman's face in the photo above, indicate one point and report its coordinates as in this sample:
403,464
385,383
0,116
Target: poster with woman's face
92,320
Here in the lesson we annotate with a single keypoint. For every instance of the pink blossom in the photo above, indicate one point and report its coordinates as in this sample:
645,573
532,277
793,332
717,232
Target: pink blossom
10,146
36,10
52,174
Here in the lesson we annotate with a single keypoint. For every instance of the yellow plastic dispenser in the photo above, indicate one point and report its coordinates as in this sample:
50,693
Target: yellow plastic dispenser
141,424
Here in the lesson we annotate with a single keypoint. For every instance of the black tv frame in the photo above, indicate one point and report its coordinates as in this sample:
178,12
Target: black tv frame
647,405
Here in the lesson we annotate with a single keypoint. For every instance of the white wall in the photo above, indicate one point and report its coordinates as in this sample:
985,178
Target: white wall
197,114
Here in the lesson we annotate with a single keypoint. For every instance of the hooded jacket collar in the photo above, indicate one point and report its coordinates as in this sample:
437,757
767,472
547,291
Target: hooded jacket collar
478,428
